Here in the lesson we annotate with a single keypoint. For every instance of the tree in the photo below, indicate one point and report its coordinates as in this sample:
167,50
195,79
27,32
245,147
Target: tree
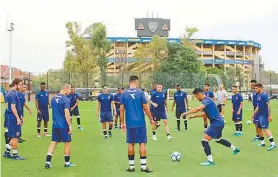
79,55
189,32
100,47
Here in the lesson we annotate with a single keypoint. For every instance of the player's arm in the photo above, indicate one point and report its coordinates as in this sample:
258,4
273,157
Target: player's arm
76,104
67,115
27,107
16,114
174,103
186,100
48,101
147,111
226,97
166,105
195,110
122,113
98,107
269,111
255,112
200,114
37,103
114,107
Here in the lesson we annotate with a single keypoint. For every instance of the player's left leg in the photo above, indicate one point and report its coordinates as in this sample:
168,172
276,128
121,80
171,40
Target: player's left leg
154,129
165,121
269,134
14,133
77,114
50,152
110,121
45,122
131,161
143,158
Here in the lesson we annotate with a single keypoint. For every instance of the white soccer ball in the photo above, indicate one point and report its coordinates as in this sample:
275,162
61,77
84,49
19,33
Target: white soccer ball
248,122
176,156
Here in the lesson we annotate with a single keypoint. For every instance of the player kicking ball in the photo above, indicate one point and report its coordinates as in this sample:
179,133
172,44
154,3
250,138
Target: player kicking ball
159,101
105,101
263,112
74,111
61,126
214,131
133,106
237,104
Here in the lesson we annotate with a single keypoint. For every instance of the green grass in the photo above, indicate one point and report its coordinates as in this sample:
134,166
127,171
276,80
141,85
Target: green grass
98,158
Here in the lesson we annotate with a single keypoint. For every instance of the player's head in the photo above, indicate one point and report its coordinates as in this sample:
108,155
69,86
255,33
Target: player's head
133,82
65,89
159,87
105,89
178,87
17,84
206,87
154,86
199,94
43,86
252,83
120,90
23,88
72,89
143,89
221,87
258,88
234,89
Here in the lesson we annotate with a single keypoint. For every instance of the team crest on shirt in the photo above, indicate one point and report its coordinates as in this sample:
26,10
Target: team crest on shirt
17,133
236,98
108,97
46,94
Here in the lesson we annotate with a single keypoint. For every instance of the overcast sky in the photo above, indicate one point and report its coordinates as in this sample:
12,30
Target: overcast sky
40,33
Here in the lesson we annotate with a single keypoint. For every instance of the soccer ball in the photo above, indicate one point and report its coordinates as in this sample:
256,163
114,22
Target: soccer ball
176,156
248,122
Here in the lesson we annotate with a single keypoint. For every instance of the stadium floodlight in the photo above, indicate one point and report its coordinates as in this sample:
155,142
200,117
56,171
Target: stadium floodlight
11,29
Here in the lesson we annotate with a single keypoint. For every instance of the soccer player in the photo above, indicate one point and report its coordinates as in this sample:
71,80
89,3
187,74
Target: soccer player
117,99
23,104
222,97
42,103
134,104
255,103
180,98
14,120
61,126
237,104
210,94
7,139
263,112
105,100
214,131
74,111
159,102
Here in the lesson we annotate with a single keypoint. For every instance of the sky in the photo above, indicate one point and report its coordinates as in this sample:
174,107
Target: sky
38,42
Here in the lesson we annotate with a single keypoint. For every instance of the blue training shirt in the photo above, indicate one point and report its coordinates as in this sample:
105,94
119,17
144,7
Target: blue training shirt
212,112
133,100
59,103
12,98
180,97
254,99
22,100
262,104
209,94
105,100
117,98
73,98
42,97
237,99
159,98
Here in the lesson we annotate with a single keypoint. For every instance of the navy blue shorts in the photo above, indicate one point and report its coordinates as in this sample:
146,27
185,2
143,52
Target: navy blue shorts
263,122
6,118
237,117
179,111
117,111
106,116
61,135
214,132
157,116
14,130
75,112
136,135
44,115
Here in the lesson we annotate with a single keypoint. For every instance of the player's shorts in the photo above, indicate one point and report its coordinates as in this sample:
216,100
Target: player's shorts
44,115
117,111
136,135
14,130
220,107
157,116
61,135
151,108
214,132
263,122
106,116
6,118
256,117
179,111
237,117
74,112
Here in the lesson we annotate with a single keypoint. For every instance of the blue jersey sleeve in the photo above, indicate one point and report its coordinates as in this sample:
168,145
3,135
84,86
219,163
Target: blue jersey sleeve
37,95
211,94
98,98
111,97
67,103
205,102
185,95
77,95
266,99
153,96
122,101
143,98
12,99
240,98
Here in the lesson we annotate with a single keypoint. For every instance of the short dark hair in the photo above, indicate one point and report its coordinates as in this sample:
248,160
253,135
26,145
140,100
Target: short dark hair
259,85
133,78
197,90
178,85
234,86
253,81
16,81
10,86
43,83
154,83
207,84
104,86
